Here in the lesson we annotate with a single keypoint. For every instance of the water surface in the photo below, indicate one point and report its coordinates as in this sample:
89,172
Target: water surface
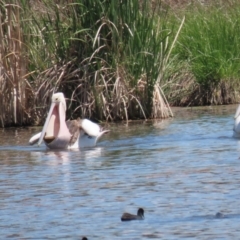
182,171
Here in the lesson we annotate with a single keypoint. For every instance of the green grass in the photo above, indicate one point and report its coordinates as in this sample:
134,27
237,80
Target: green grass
209,44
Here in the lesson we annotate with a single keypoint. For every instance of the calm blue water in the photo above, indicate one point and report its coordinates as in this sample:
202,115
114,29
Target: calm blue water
182,171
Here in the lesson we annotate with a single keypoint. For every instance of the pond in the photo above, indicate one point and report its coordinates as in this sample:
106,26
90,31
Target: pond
181,171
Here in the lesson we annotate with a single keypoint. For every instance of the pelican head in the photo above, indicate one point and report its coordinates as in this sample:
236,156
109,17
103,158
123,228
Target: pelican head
55,133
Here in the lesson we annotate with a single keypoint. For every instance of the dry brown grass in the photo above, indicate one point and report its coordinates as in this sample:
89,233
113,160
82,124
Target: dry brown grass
15,91
185,91
104,94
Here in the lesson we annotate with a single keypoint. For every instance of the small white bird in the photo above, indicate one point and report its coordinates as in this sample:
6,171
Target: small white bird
58,133
236,128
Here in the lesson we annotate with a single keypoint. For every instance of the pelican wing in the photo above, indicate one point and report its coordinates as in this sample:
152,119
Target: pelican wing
90,128
74,129
237,112
34,139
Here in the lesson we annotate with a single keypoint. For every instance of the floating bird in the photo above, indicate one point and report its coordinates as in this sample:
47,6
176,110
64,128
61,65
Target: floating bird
129,216
236,128
58,133
219,215
84,238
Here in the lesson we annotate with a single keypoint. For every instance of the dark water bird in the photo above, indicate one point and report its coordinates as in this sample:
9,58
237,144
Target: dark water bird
84,238
129,216
219,215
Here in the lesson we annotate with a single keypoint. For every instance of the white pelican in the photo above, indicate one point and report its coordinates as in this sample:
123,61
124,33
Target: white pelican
236,128
58,133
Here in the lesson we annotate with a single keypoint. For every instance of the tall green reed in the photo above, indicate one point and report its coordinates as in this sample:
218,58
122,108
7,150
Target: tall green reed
109,55
209,43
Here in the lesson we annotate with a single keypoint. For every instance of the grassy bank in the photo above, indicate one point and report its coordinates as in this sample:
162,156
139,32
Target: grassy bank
116,60
208,49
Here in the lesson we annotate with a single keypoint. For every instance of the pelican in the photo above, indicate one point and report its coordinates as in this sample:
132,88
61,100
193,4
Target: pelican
58,133
236,128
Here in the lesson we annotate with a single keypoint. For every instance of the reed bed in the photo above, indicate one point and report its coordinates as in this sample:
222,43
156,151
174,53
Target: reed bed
109,65
15,90
116,60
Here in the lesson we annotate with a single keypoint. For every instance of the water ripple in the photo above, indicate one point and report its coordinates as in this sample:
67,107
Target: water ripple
182,171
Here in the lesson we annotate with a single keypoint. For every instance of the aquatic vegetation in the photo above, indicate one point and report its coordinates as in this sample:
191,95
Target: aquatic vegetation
116,60
108,57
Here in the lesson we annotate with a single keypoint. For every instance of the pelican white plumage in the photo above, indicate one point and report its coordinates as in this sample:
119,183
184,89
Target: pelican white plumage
58,133
236,128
